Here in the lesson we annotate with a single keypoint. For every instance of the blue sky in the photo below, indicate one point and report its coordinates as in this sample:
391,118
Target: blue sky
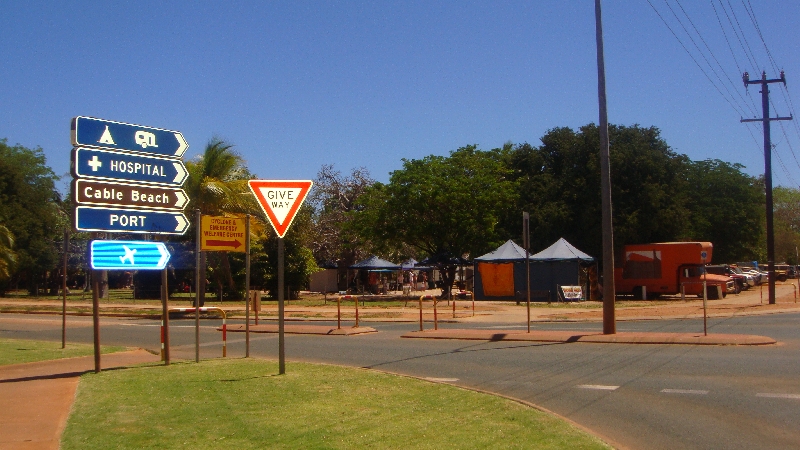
295,85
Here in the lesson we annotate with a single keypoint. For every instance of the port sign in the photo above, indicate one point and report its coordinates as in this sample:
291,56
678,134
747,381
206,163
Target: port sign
280,200
92,132
121,220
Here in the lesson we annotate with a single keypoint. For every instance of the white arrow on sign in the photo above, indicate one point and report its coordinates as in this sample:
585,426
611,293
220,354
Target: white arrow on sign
183,224
181,173
182,199
182,145
162,250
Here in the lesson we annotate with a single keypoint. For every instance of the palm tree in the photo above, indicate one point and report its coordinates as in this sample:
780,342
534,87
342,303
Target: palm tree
217,181
217,185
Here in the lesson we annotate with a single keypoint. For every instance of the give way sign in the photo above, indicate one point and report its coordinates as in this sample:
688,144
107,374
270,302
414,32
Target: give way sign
280,200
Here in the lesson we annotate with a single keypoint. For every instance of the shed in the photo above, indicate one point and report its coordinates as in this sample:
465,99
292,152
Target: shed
559,265
500,274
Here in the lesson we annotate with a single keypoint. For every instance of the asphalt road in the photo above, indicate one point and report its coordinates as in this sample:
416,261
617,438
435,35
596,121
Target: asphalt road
635,396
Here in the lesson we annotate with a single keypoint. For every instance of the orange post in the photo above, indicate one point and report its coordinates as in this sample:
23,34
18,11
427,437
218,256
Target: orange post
356,311
163,355
435,316
339,313
420,312
224,338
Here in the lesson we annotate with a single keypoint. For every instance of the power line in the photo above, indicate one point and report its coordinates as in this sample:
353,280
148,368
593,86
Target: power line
711,52
739,111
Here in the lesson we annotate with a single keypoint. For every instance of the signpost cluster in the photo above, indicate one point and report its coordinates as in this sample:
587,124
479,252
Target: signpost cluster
127,179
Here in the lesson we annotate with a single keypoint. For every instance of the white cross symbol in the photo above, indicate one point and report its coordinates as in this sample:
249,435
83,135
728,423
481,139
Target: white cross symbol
95,163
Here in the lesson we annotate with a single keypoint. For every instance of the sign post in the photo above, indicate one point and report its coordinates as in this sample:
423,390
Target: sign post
280,200
247,288
704,256
127,179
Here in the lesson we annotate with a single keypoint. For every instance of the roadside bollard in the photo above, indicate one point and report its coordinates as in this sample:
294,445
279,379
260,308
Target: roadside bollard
339,312
356,311
454,309
420,312
435,316
163,354
210,309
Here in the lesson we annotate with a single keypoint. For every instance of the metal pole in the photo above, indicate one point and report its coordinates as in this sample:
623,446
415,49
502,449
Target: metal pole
526,236
64,292
705,305
768,186
165,315
247,287
96,318
281,340
197,258
764,82
609,319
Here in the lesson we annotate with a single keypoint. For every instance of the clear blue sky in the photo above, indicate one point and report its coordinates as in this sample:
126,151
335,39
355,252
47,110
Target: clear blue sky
295,85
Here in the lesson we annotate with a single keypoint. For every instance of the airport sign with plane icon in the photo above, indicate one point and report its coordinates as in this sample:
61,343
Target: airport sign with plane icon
128,255
92,132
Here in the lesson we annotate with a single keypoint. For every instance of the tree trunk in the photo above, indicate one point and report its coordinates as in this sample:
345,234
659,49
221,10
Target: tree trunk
448,274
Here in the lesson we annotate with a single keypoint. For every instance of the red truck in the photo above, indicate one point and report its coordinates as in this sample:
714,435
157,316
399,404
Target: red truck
652,270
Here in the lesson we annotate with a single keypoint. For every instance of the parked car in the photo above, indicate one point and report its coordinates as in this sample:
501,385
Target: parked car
783,272
739,280
749,279
758,276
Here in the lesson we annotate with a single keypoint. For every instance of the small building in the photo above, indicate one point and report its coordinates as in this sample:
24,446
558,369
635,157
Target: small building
501,275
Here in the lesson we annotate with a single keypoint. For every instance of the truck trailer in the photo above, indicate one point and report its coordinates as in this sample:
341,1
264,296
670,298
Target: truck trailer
668,268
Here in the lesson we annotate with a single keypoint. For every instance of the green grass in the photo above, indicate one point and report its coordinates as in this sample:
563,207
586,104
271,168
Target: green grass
18,351
244,404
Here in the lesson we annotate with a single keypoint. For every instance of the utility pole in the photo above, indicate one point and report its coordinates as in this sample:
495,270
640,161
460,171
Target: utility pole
767,168
609,291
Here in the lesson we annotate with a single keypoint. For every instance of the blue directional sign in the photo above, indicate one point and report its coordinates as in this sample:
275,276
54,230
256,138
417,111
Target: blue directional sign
129,255
120,220
97,164
125,136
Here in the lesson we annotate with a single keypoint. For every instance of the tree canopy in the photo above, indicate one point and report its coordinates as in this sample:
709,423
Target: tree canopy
658,195
30,209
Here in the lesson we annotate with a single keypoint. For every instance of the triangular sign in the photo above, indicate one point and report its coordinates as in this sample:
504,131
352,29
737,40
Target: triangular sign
280,200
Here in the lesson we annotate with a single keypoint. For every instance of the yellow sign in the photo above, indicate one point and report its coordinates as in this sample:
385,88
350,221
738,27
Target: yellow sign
222,234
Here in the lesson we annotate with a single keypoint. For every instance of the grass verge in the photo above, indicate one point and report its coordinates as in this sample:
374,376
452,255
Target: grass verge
244,404
18,351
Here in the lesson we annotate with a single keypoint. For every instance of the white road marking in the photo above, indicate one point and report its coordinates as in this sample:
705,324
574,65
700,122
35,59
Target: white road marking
684,391
598,387
442,380
789,396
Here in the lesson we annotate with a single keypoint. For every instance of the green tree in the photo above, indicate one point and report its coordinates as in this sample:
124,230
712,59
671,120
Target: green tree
333,197
8,257
559,185
30,209
217,185
298,259
786,216
439,206
726,208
